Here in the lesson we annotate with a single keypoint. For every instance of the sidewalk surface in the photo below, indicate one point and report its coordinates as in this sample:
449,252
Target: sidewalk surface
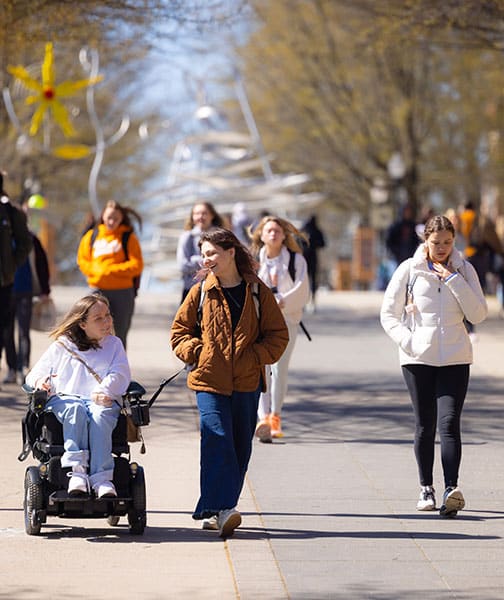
328,511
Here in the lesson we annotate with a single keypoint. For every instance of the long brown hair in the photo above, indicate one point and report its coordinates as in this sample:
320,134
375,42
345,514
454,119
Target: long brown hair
217,220
70,325
226,239
290,232
126,211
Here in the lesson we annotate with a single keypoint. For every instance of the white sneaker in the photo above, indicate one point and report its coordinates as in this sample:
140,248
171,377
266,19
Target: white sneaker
453,501
228,520
427,500
106,489
210,523
79,481
11,377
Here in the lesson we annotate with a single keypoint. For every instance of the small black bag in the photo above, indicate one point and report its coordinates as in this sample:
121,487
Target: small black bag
37,401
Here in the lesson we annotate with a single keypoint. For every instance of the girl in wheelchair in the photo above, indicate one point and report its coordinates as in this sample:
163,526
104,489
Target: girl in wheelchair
85,372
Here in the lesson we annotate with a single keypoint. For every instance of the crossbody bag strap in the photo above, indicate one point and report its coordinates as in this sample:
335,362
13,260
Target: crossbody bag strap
75,355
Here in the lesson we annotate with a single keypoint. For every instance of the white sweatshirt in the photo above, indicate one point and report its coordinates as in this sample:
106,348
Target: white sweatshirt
70,376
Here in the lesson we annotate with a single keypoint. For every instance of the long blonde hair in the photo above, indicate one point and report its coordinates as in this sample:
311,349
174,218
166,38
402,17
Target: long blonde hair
70,325
291,234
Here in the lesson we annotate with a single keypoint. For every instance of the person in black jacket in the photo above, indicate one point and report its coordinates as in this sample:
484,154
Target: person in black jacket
15,245
316,241
31,281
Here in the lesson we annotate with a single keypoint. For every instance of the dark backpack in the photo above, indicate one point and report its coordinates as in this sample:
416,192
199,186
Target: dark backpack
292,273
124,242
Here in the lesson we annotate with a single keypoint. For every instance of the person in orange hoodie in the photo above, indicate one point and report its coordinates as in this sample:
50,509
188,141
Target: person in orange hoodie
110,257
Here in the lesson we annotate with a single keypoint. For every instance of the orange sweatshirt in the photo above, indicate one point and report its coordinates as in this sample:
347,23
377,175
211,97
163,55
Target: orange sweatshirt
104,265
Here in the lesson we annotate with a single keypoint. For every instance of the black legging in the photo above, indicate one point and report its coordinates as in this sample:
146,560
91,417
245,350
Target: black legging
437,394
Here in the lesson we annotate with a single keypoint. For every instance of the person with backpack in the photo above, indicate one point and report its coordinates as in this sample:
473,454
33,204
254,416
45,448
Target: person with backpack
423,311
15,245
227,329
284,270
110,257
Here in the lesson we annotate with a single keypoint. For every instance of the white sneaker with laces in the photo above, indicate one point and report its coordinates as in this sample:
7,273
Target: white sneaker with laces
79,481
453,501
210,524
228,520
105,489
427,500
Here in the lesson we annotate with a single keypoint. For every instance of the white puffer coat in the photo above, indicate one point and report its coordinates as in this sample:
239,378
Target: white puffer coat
433,332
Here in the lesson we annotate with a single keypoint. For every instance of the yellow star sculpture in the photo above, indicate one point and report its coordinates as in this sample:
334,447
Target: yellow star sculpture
48,93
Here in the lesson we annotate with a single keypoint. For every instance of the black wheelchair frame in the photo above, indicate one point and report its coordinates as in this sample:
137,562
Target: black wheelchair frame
46,485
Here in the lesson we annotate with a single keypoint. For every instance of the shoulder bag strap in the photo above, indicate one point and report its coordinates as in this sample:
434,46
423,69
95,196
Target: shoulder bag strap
75,355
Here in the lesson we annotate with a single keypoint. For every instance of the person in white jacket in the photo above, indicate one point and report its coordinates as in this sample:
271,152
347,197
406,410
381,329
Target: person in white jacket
274,240
424,307
85,372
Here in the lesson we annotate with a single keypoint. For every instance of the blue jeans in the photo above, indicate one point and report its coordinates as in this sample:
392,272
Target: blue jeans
227,425
87,434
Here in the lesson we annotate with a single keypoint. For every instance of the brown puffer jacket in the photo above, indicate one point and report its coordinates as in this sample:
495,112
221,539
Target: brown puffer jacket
226,361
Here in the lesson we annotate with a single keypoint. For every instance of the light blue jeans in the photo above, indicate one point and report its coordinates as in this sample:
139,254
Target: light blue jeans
87,434
271,401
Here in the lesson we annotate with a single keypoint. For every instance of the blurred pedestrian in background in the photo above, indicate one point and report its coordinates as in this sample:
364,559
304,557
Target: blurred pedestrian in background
481,239
203,216
316,241
402,239
110,257
15,245
283,269
423,311
227,328
241,222
31,282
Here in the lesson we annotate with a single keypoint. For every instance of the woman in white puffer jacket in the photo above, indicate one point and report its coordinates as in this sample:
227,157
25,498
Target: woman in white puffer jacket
424,307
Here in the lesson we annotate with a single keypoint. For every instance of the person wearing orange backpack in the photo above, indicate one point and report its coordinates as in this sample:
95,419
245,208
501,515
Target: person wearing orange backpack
110,257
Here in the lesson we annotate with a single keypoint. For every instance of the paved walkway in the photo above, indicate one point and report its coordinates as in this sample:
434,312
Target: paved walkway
328,512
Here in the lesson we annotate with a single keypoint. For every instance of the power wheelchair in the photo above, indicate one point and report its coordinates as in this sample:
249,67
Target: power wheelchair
46,485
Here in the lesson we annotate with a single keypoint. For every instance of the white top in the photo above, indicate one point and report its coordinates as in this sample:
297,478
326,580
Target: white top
432,330
294,293
70,376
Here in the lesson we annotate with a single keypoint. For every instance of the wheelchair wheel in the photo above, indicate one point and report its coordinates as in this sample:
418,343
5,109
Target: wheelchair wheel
113,520
33,501
137,514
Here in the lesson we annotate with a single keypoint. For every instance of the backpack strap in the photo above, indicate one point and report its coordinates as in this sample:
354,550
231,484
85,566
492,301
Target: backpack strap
409,286
292,273
124,241
93,237
200,305
292,264
255,296
257,300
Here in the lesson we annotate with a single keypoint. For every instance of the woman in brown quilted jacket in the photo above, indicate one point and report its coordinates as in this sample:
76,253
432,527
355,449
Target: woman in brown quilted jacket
228,328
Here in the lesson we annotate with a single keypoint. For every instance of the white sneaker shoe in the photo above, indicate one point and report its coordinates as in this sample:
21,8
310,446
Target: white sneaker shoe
427,500
210,523
79,481
453,501
228,520
106,489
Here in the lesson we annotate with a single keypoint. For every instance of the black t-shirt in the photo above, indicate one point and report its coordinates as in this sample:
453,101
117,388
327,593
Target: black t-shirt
235,297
